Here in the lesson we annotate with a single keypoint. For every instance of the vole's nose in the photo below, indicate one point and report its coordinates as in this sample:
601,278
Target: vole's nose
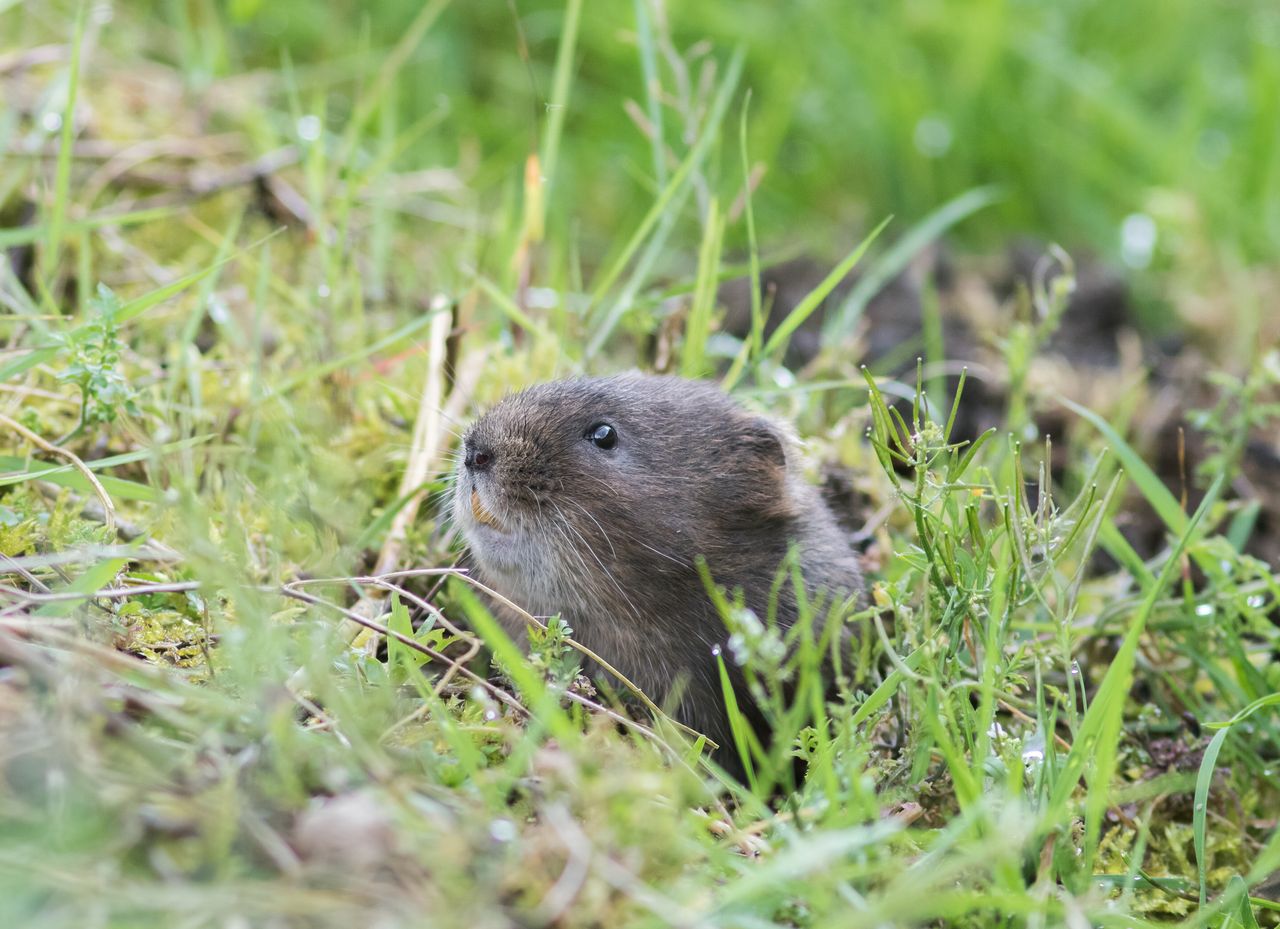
478,457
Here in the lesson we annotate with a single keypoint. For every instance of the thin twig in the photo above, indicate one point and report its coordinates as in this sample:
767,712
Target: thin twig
409,642
106,593
525,616
108,508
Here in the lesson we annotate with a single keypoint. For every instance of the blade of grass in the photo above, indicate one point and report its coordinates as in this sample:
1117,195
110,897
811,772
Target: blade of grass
652,90
1097,740
743,740
73,480
558,106
540,699
315,372
26,235
840,324
98,464
691,161
805,308
93,578
1159,496
62,175
511,309
752,344
698,328
391,66
1203,779
128,311
883,693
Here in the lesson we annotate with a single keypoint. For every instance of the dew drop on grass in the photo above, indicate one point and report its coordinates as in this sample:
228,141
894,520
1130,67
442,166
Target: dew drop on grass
218,311
1138,236
309,127
490,715
502,830
543,298
715,649
1075,669
1204,609
323,291
51,121
783,378
933,136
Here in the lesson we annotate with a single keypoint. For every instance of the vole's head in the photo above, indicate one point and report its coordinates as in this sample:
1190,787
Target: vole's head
583,481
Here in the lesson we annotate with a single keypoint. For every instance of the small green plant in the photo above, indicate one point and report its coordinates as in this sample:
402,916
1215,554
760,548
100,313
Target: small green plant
1245,406
551,655
93,354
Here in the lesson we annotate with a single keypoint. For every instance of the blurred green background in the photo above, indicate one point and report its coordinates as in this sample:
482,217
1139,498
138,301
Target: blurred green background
1086,113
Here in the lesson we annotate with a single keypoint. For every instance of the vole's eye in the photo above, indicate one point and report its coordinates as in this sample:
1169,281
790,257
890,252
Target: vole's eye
602,435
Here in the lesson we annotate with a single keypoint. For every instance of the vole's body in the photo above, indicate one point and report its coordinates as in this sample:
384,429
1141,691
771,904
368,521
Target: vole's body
593,498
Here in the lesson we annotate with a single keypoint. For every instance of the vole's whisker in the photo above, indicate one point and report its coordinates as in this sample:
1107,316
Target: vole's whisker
587,513
607,573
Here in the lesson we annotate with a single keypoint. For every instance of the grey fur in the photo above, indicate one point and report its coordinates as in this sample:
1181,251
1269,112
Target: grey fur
609,538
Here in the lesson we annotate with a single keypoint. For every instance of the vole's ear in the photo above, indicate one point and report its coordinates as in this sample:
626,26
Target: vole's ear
760,489
764,444
755,485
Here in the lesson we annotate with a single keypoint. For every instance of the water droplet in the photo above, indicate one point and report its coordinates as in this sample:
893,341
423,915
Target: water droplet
783,378
218,311
1256,601
715,649
1204,609
323,291
502,830
490,715
1199,807
51,122
1075,669
309,127
542,298
1138,235
933,136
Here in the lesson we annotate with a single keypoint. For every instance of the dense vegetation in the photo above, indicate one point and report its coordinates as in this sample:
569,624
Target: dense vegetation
261,262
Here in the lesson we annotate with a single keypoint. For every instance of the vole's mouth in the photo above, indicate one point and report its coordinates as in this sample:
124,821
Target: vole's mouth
482,515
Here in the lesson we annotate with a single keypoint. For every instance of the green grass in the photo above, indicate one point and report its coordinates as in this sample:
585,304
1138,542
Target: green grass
221,477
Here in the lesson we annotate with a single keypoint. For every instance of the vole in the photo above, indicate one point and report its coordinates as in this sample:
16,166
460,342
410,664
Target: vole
593,498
